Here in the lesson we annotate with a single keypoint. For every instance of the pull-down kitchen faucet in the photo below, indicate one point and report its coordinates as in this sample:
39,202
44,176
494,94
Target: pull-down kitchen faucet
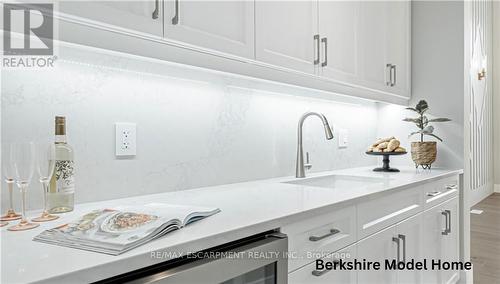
299,168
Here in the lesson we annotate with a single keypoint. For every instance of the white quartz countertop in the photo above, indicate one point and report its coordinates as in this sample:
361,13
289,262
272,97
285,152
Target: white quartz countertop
247,208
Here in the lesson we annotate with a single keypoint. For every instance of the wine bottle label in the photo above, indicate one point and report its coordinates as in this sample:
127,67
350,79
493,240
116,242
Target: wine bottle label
65,179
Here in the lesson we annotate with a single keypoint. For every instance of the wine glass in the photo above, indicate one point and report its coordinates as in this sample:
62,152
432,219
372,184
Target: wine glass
8,174
23,161
45,163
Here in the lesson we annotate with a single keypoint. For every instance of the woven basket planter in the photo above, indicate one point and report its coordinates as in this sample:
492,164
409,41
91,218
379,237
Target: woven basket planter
423,153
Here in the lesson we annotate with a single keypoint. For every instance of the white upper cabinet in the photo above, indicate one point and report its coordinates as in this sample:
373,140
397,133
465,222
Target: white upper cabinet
225,26
371,50
139,16
285,33
357,48
339,40
398,39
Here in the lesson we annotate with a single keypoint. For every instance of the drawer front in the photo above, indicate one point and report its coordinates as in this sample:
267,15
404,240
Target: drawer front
374,215
440,191
318,236
309,274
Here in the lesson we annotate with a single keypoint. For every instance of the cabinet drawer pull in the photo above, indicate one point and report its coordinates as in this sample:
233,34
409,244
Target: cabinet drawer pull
396,240
393,77
433,193
445,213
449,220
403,238
175,19
388,79
451,186
325,41
321,272
157,9
331,233
316,41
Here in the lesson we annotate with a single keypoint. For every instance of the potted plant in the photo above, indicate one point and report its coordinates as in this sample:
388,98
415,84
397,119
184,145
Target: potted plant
424,153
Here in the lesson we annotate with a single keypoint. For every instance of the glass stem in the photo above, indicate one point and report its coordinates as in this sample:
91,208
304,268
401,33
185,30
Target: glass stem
45,186
11,201
23,203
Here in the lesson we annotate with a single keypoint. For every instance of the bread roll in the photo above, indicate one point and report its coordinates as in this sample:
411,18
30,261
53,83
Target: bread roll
393,145
382,140
383,145
400,150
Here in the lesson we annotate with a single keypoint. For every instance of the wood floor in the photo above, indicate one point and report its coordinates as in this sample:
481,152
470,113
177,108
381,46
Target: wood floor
485,241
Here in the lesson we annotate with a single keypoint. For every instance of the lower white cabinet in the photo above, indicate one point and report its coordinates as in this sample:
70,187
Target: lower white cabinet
429,233
441,240
401,242
378,247
309,274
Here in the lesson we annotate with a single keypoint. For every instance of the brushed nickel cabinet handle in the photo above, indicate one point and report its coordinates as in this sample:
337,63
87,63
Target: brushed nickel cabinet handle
445,214
318,238
433,193
393,77
157,9
316,42
451,186
175,19
396,240
403,238
321,272
448,212
388,69
325,62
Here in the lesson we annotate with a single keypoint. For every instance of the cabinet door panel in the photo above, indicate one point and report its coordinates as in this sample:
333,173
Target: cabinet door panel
226,26
338,23
133,15
412,231
378,247
398,45
434,225
450,242
285,33
372,44
441,246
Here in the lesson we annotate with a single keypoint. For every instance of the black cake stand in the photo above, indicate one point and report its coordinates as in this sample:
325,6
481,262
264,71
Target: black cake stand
385,167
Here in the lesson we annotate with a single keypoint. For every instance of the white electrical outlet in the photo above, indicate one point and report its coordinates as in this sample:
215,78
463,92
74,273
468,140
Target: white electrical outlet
125,139
343,138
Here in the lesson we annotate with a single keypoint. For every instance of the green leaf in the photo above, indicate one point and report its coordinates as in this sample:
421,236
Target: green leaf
427,130
410,108
439,119
414,120
425,121
435,136
422,106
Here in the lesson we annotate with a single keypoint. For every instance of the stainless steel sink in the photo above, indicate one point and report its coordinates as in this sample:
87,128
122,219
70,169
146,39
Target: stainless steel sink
338,181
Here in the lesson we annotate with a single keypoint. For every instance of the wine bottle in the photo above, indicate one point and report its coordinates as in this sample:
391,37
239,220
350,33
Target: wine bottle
61,195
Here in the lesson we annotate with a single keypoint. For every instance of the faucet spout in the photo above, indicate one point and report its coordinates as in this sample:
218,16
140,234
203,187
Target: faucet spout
299,167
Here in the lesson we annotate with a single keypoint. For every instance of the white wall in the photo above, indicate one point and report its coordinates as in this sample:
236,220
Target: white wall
195,128
496,90
437,77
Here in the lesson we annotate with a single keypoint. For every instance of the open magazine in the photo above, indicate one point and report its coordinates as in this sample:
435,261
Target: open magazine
114,231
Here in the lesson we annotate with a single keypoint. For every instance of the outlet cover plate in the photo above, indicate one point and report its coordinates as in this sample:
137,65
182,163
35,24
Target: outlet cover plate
125,139
343,138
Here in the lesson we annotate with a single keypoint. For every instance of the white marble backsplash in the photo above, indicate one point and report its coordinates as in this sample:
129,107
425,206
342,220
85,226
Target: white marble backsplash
194,128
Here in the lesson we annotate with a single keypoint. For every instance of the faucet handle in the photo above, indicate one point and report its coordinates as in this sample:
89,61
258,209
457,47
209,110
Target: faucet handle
307,165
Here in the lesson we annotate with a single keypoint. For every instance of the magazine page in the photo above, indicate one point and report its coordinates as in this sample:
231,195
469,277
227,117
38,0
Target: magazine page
121,227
